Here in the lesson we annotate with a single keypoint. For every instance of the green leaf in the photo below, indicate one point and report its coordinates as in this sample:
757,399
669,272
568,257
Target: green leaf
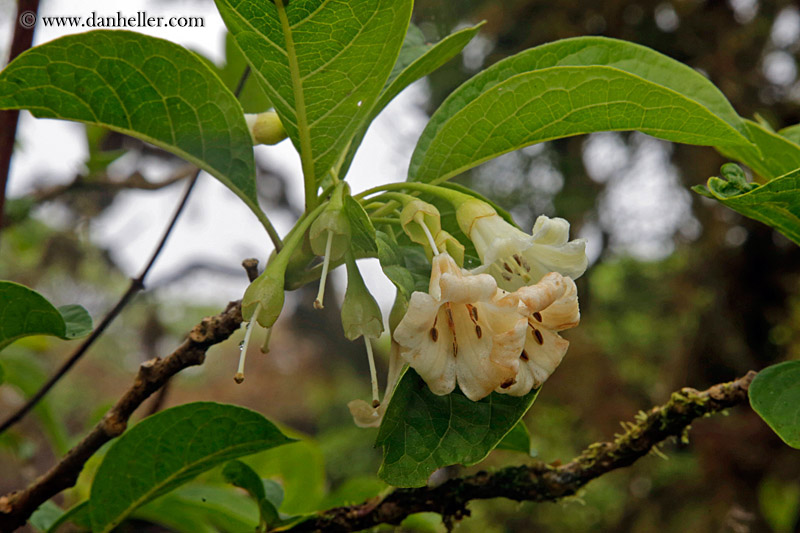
775,396
200,508
517,440
422,432
792,133
141,86
25,312
77,515
243,476
405,266
567,88
300,468
362,232
77,321
170,448
46,515
776,203
322,63
771,156
417,59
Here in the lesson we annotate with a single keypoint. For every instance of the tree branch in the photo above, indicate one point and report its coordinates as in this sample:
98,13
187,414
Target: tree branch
22,40
17,507
539,482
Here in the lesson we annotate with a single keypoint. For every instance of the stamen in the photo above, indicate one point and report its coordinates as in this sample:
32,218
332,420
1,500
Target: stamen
323,278
538,316
419,219
239,376
373,374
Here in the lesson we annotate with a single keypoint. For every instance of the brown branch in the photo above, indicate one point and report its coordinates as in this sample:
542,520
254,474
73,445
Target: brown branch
22,40
17,507
539,482
134,181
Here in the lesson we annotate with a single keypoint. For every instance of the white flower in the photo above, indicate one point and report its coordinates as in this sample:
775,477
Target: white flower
464,331
513,257
551,306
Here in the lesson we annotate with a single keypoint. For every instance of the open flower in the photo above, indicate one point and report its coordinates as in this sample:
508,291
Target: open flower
463,331
513,257
551,306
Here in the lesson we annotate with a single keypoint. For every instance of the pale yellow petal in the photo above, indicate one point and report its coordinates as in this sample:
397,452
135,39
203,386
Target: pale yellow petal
364,415
541,295
564,313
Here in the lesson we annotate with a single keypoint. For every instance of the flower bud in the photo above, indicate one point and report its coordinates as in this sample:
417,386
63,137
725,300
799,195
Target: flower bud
332,224
265,294
360,312
447,243
417,213
265,128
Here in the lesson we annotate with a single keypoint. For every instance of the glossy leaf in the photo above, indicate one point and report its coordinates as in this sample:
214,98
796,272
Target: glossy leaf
775,203
141,86
773,155
170,448
417,59
243,476
517,440
323,64
77,515
571,87
422,432
792,133
25,312
199,508
775,396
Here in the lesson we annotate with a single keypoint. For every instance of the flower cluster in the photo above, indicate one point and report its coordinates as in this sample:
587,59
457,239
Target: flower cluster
495,328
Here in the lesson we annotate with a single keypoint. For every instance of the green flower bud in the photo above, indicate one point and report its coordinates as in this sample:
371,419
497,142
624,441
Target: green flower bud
360,312
447,243
265,128
264,297
332,224
417,213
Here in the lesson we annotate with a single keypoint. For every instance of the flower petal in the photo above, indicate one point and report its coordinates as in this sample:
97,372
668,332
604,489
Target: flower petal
542,295
364,415
564,313
429,347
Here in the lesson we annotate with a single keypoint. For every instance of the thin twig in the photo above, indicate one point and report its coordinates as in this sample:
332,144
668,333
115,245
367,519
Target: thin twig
22,40
540,482
17,507
135,286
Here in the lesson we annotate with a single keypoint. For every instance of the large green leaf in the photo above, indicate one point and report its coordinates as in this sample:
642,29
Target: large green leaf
170,448
775,396
566,88
200,508
25,312
77,515
775,203
417,59
772,155
323,64
142,86
267,494
422,432
792,133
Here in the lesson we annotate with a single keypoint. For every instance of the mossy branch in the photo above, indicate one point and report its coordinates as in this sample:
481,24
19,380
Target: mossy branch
539,482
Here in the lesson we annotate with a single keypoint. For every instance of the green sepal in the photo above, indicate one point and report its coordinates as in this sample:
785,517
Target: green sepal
361,314
332,220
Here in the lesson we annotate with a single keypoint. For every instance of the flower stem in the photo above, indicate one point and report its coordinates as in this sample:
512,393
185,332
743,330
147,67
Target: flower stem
373,374
239,377
324,277
419,219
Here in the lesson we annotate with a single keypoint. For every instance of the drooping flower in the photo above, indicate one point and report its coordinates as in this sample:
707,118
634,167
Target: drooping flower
551,306
464,330
514,258
369,415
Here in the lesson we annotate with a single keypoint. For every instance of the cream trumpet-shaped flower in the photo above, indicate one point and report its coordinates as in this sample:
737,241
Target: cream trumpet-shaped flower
464,331
513,257
551,306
